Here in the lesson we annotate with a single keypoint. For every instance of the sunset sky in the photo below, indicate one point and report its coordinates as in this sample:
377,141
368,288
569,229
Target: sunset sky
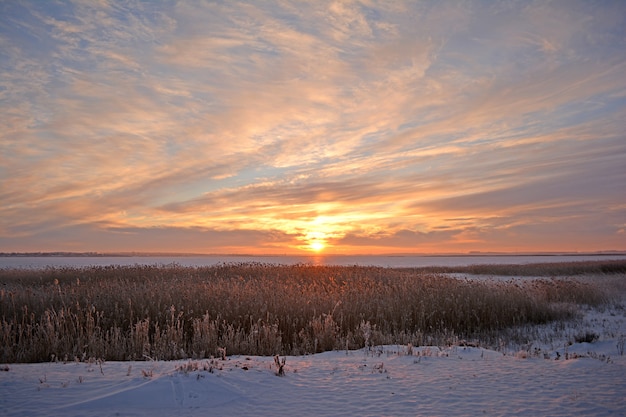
271,127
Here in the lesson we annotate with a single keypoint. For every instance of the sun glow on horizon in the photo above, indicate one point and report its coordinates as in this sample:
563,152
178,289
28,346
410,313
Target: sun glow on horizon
317,246
321,229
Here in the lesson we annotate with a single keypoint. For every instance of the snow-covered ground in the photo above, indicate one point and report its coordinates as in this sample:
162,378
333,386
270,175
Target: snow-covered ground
549,377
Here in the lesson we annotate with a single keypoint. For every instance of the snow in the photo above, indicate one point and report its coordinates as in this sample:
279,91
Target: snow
386,380
550,377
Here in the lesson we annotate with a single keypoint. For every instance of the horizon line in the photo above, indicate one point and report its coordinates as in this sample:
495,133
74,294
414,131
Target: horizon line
308,255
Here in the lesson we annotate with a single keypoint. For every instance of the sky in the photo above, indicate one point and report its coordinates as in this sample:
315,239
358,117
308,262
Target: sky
292,127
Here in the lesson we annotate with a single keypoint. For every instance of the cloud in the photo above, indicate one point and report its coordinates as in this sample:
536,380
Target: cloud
370,123
401,240
108,238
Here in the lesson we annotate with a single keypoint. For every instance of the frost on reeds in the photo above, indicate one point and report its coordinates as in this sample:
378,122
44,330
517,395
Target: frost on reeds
174,312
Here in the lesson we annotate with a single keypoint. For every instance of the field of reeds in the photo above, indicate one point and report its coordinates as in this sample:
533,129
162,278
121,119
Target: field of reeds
173,312
537,269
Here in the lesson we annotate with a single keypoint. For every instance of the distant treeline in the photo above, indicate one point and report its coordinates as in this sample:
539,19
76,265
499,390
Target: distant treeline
52,254
183,254
89,254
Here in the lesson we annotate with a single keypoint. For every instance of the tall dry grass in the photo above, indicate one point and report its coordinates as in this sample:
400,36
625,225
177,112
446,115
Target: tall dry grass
537,269
171,312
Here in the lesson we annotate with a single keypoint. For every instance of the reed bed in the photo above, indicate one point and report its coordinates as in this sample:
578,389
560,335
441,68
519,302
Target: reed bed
537,269
175,312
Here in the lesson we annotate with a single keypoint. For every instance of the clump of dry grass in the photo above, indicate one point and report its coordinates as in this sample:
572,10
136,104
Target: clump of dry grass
173,312
537,269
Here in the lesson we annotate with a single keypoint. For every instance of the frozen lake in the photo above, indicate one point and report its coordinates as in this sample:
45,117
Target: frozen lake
342,260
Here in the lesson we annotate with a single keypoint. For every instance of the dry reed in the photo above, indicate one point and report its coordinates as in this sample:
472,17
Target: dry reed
173,312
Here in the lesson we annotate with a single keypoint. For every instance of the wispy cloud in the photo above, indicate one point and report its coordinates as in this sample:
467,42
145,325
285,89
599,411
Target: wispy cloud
264,126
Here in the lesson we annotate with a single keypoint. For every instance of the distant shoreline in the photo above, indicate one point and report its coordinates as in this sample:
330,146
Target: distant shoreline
391,255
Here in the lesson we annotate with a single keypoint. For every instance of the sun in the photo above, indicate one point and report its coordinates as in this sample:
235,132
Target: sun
315,239
317,246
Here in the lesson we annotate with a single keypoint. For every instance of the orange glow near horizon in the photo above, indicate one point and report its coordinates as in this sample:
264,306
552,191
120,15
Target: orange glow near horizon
317,246
317,240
